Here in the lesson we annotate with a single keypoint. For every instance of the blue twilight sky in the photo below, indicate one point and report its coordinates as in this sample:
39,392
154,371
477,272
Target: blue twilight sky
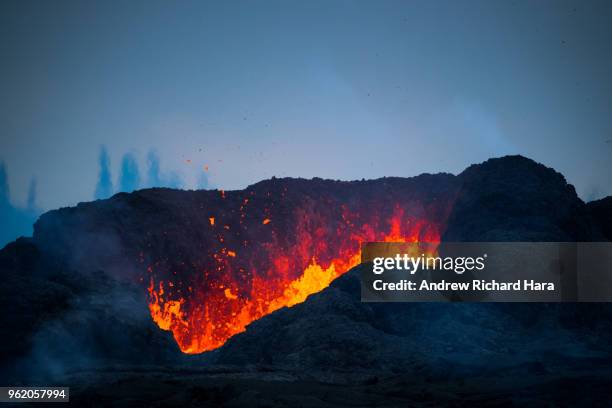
336,89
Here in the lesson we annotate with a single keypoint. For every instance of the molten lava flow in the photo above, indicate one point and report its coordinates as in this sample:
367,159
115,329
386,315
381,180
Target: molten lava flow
204,314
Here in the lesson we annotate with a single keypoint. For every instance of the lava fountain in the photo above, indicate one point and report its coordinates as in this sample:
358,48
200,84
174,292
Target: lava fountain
259,258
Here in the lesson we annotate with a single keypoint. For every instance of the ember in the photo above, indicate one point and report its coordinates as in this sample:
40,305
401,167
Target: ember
241,280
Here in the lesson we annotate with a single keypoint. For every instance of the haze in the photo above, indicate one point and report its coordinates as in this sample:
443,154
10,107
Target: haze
334,89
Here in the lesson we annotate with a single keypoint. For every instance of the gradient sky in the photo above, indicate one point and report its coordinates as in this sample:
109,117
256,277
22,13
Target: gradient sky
335,89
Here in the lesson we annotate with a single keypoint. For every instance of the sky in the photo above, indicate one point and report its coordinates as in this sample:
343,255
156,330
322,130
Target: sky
333,89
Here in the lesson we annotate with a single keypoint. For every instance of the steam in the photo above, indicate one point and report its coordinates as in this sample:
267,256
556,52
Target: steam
153,173
592,194
104,188
4,187
157,179
31,203
203,182
129,179
15,221
95,310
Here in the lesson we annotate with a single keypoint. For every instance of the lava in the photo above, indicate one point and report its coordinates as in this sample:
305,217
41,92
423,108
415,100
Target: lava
234,287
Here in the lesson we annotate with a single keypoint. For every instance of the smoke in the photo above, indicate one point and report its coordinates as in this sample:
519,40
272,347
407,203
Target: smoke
4,187
73,337
93,317
31,206
592,194
129,179
203,182
155,178
104,188
173,180
153,171
15,221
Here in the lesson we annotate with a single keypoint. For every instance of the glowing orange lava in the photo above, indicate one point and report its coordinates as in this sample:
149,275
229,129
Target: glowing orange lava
204,318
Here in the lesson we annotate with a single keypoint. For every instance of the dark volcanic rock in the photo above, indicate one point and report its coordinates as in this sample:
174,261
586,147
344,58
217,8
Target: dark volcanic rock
191,245
333,331
58,319
516,199
76,299
507,199
601,211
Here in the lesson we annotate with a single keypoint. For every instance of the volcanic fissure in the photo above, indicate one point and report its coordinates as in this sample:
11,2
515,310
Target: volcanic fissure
240,280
